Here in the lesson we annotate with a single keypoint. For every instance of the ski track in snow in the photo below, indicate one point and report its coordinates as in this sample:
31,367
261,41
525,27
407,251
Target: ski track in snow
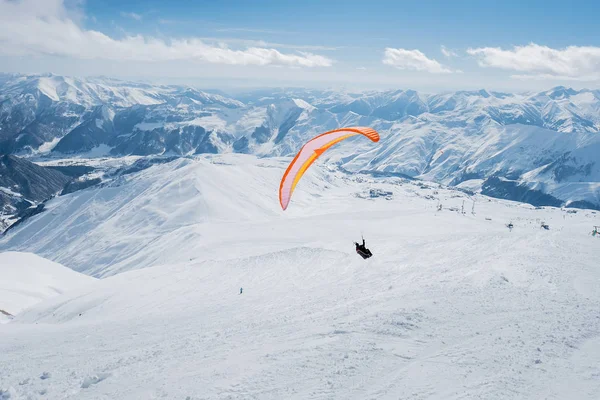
451,306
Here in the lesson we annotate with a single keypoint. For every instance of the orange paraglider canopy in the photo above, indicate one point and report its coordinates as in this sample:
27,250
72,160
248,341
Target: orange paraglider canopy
311,151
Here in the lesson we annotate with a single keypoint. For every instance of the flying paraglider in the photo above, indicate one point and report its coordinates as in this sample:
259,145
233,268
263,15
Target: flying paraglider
311,151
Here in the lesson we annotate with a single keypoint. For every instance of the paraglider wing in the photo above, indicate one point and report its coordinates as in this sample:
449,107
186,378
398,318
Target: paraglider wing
310,152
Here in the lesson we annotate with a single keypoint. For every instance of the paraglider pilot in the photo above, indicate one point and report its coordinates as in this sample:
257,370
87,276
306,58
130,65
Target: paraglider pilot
362,250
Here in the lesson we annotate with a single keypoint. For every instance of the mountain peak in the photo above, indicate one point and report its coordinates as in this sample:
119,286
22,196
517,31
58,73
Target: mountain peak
484,93
560,92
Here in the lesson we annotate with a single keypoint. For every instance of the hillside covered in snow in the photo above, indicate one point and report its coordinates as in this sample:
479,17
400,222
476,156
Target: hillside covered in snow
28,279
515,146
210,291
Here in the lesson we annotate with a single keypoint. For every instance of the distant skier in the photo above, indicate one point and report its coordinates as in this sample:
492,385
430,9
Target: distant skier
362,250
241,290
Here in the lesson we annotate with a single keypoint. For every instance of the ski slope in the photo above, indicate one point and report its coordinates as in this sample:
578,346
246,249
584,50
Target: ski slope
451,306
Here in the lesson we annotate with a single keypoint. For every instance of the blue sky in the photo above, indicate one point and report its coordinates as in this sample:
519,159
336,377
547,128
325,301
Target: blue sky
425,45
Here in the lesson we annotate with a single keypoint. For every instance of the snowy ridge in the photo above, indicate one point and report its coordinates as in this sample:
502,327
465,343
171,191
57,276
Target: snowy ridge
103,91
145,209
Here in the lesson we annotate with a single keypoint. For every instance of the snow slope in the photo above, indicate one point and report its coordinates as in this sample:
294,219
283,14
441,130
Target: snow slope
111,224
28,279
451,306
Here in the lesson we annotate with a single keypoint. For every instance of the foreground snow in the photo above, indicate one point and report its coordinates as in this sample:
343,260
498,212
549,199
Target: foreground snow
451,306
27,279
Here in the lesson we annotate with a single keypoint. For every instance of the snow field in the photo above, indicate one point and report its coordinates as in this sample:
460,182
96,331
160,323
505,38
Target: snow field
451,306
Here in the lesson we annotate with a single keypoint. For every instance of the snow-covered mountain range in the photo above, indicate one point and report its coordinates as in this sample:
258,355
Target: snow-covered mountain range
518,146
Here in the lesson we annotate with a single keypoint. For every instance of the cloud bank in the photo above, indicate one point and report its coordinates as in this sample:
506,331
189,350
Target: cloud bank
542,62
47,27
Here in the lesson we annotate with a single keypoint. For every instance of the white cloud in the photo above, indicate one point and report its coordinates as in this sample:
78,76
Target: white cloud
47,27
573,62
361,68
413,60
131,15
448,53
